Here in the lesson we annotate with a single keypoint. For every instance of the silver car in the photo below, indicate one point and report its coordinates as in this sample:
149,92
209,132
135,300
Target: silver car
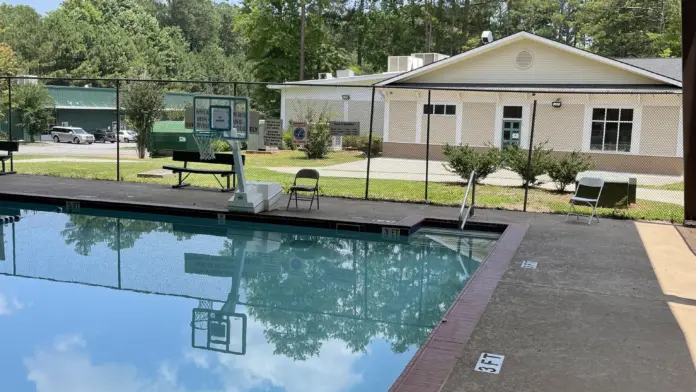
71,135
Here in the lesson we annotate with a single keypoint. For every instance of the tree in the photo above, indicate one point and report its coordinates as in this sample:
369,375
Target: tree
35,107
143,104
8,63
198,20
21,28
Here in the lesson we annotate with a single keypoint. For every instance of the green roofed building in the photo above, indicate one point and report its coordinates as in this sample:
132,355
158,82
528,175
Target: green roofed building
91,107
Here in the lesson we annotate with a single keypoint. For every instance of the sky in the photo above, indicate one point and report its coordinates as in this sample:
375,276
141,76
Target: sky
42,6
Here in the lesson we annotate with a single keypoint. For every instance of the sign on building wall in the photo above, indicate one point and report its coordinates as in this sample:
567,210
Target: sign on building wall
274,133
300,133
344,128
254,123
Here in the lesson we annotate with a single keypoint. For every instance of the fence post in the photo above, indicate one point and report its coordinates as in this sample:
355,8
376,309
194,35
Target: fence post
529,157
427,147
118,128
9,120
234,89
689,105
369,145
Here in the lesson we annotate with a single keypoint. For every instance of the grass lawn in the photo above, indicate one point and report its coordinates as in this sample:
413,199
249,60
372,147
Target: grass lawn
510,198
676,186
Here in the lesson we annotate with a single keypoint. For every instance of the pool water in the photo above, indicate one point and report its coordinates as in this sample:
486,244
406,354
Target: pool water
107,301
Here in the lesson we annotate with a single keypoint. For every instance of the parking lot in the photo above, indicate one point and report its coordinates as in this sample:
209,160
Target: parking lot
127,150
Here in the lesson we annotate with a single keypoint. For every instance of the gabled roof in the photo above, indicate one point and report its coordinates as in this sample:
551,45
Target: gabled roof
544,41
670,67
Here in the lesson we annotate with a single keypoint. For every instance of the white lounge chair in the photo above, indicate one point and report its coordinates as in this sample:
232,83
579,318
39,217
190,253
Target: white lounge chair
587,182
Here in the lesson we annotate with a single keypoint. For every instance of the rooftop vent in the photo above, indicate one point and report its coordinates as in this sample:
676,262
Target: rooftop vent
345,73
403,63
429,58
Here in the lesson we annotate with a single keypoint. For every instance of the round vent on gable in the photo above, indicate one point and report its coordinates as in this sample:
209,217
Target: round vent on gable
524,59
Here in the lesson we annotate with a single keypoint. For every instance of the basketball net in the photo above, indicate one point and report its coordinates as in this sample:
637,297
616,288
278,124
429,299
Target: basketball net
206,144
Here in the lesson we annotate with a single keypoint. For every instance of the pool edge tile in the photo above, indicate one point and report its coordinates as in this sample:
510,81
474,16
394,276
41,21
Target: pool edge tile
438,356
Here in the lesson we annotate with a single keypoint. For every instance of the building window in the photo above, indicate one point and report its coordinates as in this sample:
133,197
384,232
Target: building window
446,110
512,125
611,130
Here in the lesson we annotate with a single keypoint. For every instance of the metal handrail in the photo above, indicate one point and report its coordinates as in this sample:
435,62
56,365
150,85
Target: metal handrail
469,210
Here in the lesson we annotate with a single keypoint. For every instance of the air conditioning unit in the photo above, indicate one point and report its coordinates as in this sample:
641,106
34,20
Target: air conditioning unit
403,63
429,58
27,79
345,73
325,75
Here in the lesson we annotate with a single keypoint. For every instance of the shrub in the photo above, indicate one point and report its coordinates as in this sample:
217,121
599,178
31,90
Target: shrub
364,145
564,170
464,159
318,139
287,141
220,145
351,142
515,159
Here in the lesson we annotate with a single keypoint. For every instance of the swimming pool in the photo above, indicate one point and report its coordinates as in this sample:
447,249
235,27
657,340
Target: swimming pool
104,300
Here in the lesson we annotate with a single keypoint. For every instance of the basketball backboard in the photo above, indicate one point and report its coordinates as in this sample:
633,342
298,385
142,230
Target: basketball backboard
227,117
220,331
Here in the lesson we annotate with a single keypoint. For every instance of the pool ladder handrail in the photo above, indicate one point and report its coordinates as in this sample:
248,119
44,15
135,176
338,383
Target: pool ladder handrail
465,212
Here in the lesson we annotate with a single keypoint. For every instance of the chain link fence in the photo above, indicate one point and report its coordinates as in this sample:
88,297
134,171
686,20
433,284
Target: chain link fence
402,143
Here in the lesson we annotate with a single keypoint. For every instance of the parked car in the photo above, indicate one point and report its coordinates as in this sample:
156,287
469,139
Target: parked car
71,135
103,135
127,136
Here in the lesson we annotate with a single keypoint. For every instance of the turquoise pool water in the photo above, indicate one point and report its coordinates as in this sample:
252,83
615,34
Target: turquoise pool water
99,301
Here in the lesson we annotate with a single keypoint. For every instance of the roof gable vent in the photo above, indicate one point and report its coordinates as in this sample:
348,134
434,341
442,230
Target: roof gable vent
524,59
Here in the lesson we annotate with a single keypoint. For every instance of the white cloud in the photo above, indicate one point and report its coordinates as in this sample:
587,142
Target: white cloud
330,371
67,366
198,358
63,343
7,307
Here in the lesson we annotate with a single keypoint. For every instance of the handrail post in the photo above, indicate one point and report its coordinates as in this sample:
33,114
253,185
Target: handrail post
473,195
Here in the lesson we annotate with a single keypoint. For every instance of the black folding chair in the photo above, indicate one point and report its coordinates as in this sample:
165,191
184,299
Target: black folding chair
309,174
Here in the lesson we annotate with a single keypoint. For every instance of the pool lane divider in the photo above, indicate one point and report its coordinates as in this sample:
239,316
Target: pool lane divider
435,360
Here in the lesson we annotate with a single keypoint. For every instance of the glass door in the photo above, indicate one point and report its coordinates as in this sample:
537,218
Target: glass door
511,132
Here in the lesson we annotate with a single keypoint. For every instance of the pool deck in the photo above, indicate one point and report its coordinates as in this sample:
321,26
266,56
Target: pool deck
610,306
335,213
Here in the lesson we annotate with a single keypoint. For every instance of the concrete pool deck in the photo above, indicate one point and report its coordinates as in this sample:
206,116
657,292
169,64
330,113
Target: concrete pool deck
610,307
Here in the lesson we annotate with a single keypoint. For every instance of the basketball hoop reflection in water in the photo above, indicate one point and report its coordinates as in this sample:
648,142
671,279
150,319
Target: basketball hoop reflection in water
225,330
217,330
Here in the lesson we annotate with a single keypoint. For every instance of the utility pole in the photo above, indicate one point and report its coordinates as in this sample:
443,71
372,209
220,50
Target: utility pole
361,29
689,108
302,37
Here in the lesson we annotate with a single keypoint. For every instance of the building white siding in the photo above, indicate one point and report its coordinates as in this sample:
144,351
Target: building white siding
549,66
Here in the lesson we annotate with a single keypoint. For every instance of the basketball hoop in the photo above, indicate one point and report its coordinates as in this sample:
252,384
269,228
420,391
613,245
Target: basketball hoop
202,314
206,144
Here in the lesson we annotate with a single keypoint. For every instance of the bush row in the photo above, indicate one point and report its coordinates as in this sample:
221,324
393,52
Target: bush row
360,143
563,170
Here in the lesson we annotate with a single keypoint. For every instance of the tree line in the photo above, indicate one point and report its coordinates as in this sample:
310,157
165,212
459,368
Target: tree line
260,39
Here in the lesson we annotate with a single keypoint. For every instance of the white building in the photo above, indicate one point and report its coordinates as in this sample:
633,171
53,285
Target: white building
625,113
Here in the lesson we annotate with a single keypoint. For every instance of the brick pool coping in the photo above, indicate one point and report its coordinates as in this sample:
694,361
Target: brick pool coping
434,361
